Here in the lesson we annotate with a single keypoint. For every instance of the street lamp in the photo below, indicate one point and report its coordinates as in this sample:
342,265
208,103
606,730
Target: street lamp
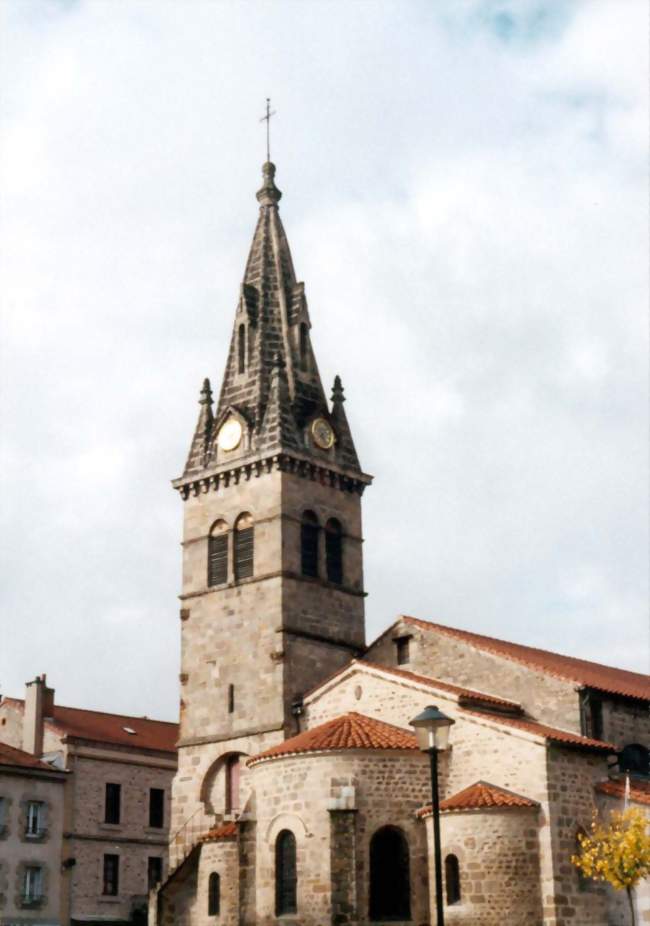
432,730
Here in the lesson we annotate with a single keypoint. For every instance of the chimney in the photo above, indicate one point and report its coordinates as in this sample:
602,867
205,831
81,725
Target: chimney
39,703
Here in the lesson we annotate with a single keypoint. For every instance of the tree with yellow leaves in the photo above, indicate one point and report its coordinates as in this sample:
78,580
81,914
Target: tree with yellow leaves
616,851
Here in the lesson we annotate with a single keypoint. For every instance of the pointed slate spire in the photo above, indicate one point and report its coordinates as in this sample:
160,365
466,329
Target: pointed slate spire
196,459
271,319
345,449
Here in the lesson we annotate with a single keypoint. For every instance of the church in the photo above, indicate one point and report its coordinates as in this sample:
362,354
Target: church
301,795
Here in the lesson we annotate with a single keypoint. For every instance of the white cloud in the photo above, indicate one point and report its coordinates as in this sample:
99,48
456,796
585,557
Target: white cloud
465,200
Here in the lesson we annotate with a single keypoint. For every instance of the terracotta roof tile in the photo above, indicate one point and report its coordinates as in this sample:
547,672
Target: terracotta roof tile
639,789
460,692
157,735
223,831
590,674
351,731
9,755
553,734
481,796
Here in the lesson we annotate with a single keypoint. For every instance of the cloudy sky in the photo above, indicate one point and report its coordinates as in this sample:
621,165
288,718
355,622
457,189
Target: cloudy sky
465,195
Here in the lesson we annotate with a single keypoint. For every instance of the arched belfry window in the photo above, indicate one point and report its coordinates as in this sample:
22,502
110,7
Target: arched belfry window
214,894
286,879
452,879
241,349
390,885
304,346
232,784
244,546
309,531
334,550
218,553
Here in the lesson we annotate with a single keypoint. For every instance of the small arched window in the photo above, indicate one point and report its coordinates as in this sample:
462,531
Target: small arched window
390,884
232,784
304,347
286,879
218,553
452,879
214,894
309,531
244,546
241,349
334,550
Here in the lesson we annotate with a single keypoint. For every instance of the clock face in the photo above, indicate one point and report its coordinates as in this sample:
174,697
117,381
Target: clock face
322,433
229,434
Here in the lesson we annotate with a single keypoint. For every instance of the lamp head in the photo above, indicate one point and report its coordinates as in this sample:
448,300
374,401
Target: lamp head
432,729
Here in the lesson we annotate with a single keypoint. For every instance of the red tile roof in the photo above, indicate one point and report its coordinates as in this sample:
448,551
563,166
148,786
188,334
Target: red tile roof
351,731
639,789
564,737
481,796
9,755
590,674
157,735
458,691
224,831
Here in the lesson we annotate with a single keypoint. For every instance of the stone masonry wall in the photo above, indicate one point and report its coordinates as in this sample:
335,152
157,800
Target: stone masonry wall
132,839
498,856
450,660
626,721
298,792
482,750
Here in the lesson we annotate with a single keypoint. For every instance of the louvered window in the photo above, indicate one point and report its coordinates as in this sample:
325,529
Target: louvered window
218,560
309,531
286,880
304,347
244,546
334,551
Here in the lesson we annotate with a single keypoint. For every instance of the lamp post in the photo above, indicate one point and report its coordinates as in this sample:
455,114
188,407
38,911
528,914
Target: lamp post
432,730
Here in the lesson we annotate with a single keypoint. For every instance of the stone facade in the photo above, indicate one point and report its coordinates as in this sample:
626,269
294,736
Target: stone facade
20,849
84,838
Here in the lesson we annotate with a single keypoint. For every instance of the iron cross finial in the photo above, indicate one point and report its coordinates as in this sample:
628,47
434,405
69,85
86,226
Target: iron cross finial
267,119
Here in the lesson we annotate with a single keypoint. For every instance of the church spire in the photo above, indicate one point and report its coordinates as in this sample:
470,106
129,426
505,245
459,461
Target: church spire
271,384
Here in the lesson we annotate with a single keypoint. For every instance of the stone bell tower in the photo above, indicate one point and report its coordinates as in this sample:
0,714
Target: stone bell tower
272,598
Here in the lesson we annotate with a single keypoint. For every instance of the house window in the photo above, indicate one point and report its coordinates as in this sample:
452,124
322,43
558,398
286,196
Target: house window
334,550
452,879
218,554
403,650
232,784
244,546
156,807
112,803
241,349
309,530
286,880
154,871
304,347
33,884
214,894
390,887
35,824
111,875
3,813
231,699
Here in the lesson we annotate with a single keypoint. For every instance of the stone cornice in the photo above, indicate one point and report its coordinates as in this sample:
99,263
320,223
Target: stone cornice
221,477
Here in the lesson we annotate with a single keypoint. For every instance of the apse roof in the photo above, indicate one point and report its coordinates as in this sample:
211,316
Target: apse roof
350,731
481,796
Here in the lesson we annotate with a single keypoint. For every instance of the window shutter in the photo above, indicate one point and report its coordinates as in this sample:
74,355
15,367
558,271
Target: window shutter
244,543
218,559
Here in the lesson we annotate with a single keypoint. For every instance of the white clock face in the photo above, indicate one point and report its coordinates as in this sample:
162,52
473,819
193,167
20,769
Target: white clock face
229,434
322,433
